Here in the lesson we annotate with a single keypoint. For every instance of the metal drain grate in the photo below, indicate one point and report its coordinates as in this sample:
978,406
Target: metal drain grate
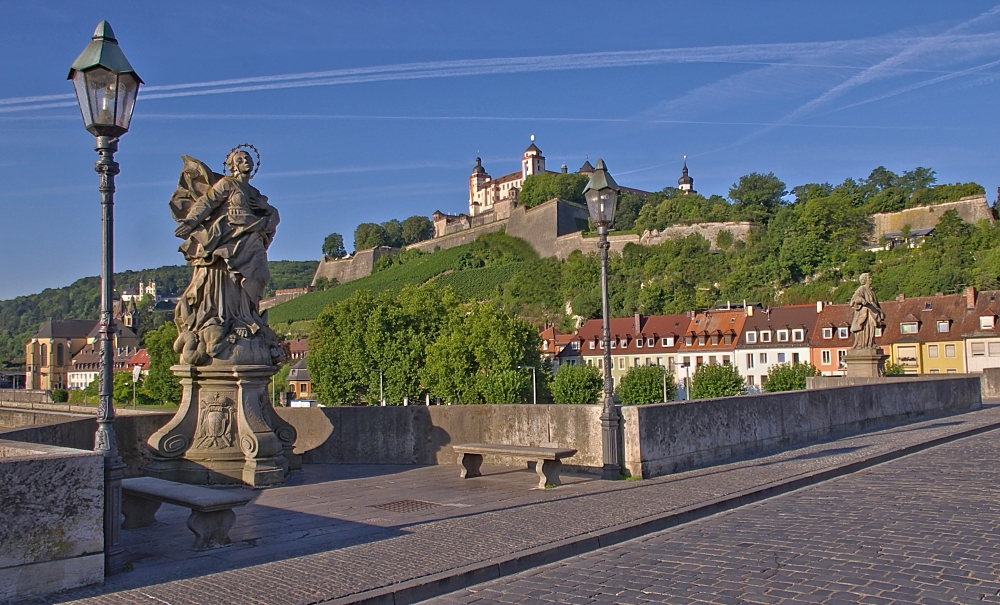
405,506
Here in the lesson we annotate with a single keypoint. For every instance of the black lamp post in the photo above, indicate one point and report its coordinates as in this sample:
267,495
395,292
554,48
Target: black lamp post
106,87
602,199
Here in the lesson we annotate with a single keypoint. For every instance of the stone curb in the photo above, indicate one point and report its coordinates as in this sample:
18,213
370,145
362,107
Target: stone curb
438,584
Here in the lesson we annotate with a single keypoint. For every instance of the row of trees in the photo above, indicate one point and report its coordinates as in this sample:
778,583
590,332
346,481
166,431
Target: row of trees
390,233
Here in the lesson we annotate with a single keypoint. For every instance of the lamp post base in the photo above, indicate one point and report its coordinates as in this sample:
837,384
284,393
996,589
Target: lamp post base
611,439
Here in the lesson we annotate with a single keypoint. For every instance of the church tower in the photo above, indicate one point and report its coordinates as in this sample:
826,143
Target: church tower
477,181
686,183
533,161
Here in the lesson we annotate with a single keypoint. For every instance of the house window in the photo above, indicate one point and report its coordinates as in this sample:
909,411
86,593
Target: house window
781,358
602,344
635,362
59,354
949,350
659,361
795,357
621,363
725,360
711,360
907,356
650,342
576,345
701,341
932,350
798,335
667,342
909,327
750,380
762,357
782,335
828,333
689,340
751,338
825,356
614,344
951,371
995,349
986,322
649,361
715,339
765,336
592,345
843,333
935,371
878,331
600,363
979,349
943,326
749,361
639,342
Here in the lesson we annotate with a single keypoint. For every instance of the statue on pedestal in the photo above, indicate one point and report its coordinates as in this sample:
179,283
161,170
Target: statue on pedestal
225,430
865,360
868,314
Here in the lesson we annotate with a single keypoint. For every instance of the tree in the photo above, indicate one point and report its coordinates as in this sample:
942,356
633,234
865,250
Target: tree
417,229
354,338
160,384
475,358
716,380
789,377
333,246
543,187
577,384
369,235
894,369
644,384
757,195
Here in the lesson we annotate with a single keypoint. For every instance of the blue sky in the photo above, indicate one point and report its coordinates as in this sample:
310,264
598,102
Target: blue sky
366,111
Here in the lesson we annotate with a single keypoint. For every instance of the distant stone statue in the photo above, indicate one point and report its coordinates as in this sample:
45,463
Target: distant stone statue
227,226
868,314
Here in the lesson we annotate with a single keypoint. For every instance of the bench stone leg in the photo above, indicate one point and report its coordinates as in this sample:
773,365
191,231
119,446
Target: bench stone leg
138,511
548,472
211,530
470,463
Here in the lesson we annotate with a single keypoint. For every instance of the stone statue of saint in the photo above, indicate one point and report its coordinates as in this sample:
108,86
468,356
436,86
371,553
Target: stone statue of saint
868,314
227,226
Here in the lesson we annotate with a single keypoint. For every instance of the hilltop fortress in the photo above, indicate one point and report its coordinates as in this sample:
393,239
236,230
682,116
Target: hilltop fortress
553,228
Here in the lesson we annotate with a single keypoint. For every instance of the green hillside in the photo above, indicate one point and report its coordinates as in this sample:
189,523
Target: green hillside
22,316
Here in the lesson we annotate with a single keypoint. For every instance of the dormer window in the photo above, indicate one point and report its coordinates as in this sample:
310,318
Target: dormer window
650,342
843,332
798,335
943,325
986,322
593,345
667,342
908,327
828,333
638,343
576,345
751,338
701,340
715,339
782,335
614,344
765,336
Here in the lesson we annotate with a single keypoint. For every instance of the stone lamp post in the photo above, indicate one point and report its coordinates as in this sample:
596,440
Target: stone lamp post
106,87
601,194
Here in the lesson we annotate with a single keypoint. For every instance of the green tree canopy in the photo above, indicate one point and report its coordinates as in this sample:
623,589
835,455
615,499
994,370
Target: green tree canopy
644,384
789,377
577,384
543,187
716,380
475,358
757,195
160,384
333,246
417,229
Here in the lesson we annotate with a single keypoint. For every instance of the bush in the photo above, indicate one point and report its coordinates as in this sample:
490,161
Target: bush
60,395
580,384
894,369
789,377
644,384
716,380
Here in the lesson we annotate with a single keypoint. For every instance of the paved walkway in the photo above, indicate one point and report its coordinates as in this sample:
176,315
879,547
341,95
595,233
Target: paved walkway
346,533
921,529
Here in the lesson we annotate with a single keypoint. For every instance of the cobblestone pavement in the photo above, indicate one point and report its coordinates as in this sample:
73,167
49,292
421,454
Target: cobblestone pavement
921,529
323,540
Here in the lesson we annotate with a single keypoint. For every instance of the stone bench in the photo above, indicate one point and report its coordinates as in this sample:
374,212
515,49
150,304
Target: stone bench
212,513
548,460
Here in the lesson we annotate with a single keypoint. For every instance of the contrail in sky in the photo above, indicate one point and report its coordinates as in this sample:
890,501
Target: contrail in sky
806,54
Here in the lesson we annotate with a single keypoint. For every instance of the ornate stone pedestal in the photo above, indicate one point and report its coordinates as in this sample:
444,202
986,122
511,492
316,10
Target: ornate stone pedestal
865,363
225,431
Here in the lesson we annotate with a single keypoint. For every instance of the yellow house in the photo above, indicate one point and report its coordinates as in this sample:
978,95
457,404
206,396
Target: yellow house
924,334
48,355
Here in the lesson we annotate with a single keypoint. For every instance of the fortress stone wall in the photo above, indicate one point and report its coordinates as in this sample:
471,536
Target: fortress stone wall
971,209
348,269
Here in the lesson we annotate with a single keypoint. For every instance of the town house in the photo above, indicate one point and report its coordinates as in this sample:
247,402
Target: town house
774,336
